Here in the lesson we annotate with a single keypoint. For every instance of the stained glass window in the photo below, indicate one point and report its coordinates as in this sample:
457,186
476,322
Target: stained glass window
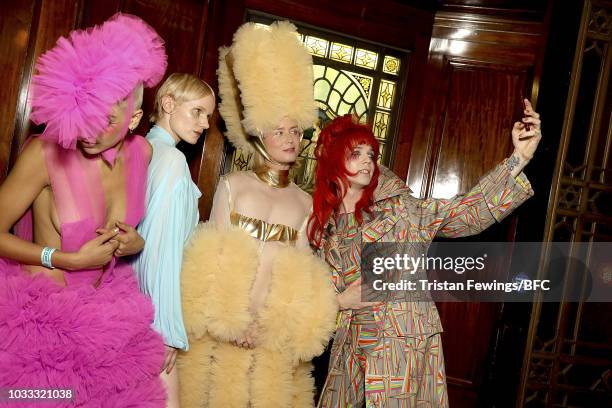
350,76
339,92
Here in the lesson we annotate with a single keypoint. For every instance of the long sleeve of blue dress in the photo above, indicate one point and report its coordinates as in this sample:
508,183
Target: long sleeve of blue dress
171,215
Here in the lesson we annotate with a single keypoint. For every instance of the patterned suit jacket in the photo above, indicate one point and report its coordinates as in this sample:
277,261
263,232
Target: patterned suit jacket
398,217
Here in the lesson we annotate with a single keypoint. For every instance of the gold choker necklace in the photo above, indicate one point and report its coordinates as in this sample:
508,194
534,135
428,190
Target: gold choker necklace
273,178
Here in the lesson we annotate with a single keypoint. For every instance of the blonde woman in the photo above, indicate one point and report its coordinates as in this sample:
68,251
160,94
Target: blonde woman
183,106
258,304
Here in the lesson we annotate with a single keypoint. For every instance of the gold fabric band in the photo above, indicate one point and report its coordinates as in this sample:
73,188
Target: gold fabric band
262,230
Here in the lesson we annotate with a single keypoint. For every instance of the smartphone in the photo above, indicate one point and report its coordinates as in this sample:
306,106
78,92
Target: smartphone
524,105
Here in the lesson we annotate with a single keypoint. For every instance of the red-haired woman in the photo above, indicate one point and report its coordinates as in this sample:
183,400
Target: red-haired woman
389,353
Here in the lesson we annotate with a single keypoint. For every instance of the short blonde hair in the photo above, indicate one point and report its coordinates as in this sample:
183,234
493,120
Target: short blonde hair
181,87
137,95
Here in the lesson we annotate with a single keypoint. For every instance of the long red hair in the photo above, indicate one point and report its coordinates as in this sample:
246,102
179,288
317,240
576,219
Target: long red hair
334,147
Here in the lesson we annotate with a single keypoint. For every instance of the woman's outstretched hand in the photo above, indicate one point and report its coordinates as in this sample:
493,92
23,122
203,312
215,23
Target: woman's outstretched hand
527,134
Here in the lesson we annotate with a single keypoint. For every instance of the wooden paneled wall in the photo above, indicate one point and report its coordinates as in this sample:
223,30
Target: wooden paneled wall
15,34
28,29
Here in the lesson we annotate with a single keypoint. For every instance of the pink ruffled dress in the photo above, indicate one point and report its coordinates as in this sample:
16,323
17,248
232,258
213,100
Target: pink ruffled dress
97,342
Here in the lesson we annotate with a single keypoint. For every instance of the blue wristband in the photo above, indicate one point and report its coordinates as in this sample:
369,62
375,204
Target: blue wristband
45,257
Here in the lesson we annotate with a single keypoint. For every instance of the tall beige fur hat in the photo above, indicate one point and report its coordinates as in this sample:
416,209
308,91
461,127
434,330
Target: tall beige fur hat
264,76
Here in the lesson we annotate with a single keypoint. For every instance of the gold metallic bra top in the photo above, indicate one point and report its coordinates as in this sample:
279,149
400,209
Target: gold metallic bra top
263,230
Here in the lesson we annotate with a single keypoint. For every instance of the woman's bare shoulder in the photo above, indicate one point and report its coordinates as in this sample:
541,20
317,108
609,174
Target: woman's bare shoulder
31,159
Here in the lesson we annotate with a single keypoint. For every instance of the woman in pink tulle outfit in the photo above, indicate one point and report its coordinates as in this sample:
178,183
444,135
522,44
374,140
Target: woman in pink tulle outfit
71,315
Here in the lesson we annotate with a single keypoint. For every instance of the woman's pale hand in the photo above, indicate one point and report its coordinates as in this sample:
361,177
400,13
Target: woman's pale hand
249,338
97,252
527,134
169,359
351,297
129,241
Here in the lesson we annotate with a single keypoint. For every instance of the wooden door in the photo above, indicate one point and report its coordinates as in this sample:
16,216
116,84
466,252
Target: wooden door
479,65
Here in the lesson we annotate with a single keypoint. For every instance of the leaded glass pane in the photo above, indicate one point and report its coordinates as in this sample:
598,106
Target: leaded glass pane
344,107
322,89
391,65
339,92
342,83
316,46
385,94
360,106
366,83
366,59
381,152
381,125
341,52
333,100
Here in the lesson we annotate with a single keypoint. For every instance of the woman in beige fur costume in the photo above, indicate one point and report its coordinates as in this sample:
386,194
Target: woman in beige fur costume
258,305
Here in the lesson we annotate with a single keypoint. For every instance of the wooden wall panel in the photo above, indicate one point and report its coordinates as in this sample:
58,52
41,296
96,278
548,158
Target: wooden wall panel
98,11
474,122
182,26
389,22
31,28
223,19
517,9
56,19
15,26
476,72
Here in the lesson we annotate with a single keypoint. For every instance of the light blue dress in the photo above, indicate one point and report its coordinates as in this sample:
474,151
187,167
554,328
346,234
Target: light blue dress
171,215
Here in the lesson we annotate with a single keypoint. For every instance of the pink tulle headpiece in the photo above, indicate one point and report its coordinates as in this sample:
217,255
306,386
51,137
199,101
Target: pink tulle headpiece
83,76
